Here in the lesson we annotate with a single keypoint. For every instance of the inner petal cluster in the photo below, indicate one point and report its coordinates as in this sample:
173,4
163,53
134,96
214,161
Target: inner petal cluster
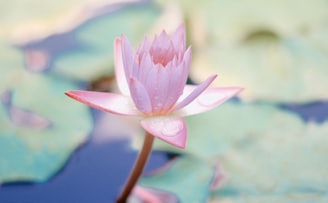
158,72
162,55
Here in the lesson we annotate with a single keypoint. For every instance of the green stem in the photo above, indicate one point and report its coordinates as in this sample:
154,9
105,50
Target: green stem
137,168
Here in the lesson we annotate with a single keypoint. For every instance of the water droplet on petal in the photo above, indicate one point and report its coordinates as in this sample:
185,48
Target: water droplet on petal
210,98
172,128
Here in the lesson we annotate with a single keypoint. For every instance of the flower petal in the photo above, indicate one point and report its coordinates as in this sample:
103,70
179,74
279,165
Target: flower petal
209,99
180,70
170,129
178,75
119,69
179,38
195,93
127,56
140,96
147,67
159,88
109,102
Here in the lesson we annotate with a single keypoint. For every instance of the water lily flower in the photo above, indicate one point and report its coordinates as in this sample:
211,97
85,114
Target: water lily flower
152,81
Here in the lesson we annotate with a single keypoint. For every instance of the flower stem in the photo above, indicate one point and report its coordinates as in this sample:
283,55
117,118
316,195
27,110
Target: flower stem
137,168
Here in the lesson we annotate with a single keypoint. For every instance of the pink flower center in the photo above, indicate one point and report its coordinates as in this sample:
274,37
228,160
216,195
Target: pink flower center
162,55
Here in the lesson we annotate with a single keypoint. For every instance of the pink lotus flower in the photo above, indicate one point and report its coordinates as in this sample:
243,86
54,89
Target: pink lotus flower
153,85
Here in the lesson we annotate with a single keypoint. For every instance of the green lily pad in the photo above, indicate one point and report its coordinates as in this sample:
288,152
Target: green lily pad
288,163
281,45
40,127
273,198
95,56
32,19
212,133
189,178
289,70
10,65
229,22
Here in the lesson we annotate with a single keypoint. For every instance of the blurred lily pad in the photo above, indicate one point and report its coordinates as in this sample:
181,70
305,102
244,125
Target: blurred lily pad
94,55
32,19
189,178
212,133
10,65
289,165
229,22
269,67
277,50
40,127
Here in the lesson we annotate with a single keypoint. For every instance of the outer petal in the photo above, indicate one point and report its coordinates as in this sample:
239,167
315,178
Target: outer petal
195,93
180,70
209,99
119,69
109,102
128,56
178,75
140,96
147,67
179,38
171,129
159,88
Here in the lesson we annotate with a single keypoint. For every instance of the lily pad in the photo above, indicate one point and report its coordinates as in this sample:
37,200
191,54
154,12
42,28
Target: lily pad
33,19
191,182
40,127
94,54
229,22
281,45
10,65
212,133
289,165
289,70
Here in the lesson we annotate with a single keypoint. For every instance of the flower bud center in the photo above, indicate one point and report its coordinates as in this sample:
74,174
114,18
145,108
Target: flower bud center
162,55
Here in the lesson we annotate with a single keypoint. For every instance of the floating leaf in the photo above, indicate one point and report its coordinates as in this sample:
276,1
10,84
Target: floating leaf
229,22
93,56
212,133
189,178
40,127
32,19
11,61
286,164
276,44
289,70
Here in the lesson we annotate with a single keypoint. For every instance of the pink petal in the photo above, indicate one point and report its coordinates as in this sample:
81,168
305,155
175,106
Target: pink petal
128,56
187,59
167,128
156,80
178,75
144,47
119,69
162,42
195,93
109,102
146,194
179,38
159,88
209,99
146,65
151,195
140,96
